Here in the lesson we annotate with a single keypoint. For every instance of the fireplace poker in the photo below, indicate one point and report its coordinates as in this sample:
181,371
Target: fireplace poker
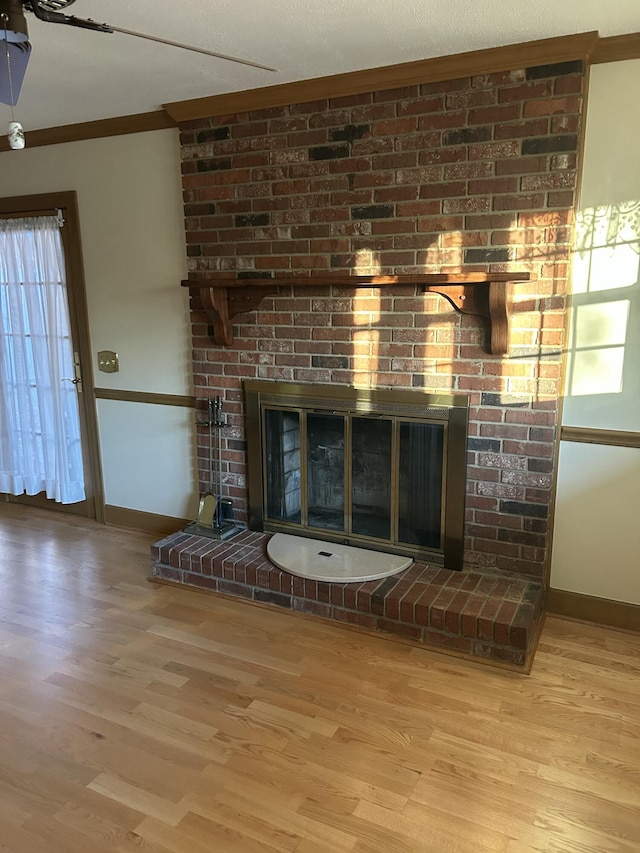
215,514
218,423
208,502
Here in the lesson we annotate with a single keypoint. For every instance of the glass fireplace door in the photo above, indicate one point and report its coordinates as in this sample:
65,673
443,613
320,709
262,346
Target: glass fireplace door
420,474
371,477
325,454
283,483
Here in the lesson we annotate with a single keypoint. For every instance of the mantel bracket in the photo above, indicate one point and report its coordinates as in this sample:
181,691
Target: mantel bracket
490,299
221,305
486,295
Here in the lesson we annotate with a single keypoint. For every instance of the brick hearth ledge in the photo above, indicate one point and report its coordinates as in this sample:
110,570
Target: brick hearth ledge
485,615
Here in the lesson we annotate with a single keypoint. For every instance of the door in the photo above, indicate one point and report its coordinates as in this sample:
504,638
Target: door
81,377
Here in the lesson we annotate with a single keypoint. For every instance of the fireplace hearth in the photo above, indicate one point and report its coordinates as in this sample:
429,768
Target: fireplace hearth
383,469
484,615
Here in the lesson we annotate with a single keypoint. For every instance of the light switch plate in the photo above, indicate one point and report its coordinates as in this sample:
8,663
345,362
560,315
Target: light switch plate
108,361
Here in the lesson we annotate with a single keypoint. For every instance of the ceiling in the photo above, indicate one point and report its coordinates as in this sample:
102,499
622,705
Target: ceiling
75,75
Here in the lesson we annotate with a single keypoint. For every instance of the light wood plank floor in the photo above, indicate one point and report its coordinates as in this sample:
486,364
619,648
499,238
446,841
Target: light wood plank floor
136,717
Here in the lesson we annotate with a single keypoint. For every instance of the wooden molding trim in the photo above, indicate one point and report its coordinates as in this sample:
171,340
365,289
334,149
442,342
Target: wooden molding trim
589,608
223,296
145,397
159,525
617,48
490,60
85,509
614,437
505,58
42,204
119,126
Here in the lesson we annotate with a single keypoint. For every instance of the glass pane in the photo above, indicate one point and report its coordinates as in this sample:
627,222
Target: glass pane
371,477
420,499
282,455
325,471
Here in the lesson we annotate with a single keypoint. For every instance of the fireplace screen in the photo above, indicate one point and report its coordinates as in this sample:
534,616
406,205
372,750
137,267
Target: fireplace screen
382,469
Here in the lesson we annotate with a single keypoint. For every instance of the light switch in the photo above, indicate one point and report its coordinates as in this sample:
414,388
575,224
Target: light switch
108,361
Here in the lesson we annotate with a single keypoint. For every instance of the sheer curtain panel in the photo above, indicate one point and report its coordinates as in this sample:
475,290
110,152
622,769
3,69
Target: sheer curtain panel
40,446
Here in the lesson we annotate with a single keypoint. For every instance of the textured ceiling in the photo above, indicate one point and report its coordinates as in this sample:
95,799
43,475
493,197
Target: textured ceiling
76,75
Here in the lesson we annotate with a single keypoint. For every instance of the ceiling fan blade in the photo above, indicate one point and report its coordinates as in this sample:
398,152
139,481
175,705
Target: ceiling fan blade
189,47
46,10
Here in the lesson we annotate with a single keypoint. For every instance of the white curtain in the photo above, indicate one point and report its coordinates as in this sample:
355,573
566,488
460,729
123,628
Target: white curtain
40,448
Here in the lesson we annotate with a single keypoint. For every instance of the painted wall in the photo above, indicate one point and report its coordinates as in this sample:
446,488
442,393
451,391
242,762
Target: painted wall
145,459
597,538
130,203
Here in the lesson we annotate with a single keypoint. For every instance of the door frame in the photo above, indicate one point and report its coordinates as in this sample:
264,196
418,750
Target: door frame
46,204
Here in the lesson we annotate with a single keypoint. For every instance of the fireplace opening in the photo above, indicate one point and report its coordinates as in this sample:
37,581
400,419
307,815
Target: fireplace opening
383,469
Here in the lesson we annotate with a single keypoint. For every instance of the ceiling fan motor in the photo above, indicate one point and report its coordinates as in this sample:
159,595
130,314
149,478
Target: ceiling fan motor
14,21
48,5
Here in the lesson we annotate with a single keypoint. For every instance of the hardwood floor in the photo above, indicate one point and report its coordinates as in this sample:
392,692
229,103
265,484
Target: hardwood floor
138,717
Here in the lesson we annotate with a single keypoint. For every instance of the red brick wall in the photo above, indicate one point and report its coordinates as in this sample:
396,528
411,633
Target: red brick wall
471,174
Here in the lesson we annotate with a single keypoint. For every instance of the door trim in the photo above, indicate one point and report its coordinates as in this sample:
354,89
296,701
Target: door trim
45,204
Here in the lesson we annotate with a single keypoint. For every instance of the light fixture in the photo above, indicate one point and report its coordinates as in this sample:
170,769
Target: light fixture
15,133
15,23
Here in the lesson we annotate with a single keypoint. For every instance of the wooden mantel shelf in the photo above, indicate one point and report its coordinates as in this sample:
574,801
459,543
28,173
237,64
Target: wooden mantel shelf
223,295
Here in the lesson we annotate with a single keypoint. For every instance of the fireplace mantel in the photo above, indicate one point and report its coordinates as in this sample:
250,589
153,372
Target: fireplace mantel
223,295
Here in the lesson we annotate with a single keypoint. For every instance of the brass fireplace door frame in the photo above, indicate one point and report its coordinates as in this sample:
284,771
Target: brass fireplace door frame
452,410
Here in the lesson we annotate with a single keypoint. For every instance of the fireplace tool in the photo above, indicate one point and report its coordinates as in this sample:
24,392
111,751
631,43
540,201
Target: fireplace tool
215,513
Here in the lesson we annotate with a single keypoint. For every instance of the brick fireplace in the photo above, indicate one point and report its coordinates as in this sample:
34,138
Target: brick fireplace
476,174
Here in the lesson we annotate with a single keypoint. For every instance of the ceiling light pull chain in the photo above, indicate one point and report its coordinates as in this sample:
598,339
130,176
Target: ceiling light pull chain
15,134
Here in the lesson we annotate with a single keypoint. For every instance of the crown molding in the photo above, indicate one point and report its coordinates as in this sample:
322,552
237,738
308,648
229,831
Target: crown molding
487,61
616,48
586,46
119,126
